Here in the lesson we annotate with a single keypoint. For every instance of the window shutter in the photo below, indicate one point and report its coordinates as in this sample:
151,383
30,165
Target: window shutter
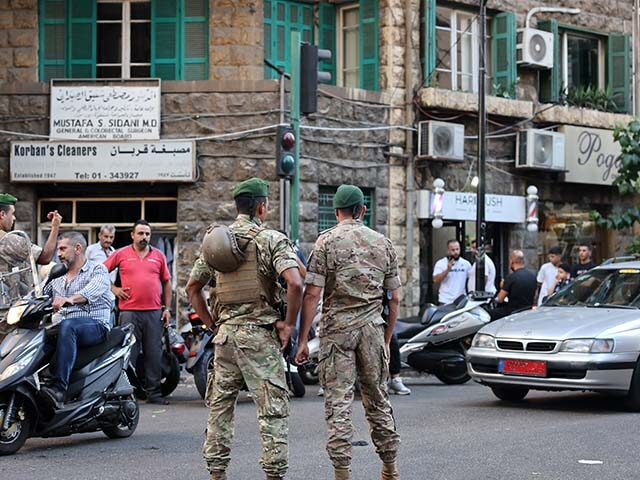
618,71
165,37
268,38
195,44
82,39
429,40
52,32
503,52
327,37
550,79
369,44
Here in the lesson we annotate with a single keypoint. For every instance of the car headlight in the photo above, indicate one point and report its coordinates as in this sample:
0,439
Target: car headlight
22,362
587,345
482,340
15,313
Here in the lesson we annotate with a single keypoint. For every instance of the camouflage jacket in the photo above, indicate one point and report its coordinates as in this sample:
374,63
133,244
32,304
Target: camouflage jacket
275,255
354,264
16,279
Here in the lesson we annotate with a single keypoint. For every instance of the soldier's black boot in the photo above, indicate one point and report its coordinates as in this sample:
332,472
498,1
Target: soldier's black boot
390,471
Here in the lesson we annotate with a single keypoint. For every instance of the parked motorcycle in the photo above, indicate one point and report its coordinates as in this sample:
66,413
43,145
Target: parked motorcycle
99,396
437,341
201,356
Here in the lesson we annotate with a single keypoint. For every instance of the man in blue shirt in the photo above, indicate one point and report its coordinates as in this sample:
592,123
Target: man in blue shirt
82,298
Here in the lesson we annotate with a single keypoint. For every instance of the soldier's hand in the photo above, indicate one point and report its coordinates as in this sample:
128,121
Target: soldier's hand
55,218
284,333
302,355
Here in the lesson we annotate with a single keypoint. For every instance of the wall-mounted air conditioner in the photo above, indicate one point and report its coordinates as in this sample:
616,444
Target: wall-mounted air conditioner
534,48
540,150
441,140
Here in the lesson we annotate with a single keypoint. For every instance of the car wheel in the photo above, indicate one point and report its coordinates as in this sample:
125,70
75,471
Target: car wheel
510,394
632,400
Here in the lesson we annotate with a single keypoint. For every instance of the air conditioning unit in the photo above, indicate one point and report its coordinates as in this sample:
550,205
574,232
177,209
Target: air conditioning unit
540,150
441,140
534,48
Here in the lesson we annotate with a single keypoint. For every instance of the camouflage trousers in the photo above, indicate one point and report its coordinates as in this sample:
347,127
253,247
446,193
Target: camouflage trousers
247,355
344,357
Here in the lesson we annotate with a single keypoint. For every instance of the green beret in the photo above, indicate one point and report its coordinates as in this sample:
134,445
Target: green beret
7,199
254,186
348,196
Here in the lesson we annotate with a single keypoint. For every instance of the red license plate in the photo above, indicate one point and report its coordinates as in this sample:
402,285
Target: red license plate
533,368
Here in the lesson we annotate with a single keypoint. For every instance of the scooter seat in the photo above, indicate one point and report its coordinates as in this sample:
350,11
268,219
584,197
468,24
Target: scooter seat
115,337
434,313
408,327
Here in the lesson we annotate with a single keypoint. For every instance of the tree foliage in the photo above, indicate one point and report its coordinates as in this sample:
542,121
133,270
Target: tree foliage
628,180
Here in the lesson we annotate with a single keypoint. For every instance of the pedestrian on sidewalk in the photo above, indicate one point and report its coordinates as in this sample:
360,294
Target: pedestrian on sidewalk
101,250
489,272
585,263
519,288
451,273
352,265
547,273
144,301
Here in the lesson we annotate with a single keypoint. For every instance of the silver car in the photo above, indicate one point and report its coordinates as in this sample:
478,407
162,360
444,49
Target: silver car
585,337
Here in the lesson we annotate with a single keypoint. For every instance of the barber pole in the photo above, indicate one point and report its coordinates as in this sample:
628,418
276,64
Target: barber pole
532,209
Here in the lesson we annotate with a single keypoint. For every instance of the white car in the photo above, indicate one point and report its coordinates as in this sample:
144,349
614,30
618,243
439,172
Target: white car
585,337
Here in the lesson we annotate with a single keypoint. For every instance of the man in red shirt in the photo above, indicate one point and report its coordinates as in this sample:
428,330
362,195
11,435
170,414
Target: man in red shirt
143,271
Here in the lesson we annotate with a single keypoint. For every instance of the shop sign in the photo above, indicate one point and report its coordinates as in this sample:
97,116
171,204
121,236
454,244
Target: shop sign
591,155
96,111
462,206
55,162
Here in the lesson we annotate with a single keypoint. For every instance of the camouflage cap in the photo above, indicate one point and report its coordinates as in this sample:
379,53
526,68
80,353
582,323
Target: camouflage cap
348,196
7,199
254,186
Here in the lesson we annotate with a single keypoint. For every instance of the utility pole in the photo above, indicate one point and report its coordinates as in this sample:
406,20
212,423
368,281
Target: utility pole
481,226
295,124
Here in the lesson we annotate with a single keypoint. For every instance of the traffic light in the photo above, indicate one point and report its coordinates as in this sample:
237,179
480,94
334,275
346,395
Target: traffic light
285,152
310,76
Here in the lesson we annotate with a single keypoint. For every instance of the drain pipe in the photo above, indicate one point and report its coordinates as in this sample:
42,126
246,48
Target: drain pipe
409,119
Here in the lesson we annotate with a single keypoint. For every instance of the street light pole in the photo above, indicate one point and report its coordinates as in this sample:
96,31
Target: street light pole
481,226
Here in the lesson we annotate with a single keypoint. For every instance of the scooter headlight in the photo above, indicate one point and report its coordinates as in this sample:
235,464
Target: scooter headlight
22,363
482,340
15,314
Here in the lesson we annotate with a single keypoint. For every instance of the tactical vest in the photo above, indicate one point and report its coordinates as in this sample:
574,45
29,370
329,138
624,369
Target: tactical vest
16,279
245,285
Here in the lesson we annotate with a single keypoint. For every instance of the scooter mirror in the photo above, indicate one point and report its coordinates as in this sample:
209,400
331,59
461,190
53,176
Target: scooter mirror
57,271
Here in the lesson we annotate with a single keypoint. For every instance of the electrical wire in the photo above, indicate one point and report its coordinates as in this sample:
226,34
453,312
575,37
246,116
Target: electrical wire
357,129
349,163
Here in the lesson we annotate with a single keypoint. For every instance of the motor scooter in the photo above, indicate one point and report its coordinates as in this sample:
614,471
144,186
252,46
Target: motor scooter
99,396
437,341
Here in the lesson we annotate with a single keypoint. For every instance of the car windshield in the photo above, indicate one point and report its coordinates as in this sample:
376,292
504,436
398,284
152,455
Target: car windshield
601,288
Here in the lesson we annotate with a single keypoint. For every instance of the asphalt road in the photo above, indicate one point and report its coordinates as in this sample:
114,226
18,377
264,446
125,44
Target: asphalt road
448,433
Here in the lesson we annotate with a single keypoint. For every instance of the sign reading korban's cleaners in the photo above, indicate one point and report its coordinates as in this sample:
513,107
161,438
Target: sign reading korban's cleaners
105,110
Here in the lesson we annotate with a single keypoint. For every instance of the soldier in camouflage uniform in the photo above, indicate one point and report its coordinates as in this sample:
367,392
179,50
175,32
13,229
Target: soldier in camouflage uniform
353,264
250,333
16,278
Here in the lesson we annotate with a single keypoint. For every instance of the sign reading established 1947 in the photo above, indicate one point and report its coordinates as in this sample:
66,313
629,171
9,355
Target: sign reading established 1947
99,111
50,162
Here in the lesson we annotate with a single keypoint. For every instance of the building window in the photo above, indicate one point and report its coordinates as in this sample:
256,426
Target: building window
350,31
457,61
124,39
327,214
348,46
582,61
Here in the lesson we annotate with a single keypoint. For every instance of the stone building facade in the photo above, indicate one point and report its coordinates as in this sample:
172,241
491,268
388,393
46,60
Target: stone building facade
371,136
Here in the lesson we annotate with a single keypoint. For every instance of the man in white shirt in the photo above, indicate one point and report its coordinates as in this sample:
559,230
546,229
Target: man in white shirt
489,272
547,274
451,273
98,252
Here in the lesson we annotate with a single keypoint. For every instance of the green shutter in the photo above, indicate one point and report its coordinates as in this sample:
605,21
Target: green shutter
165,39
195,44
503,53
369,44
550,79
82,38
618,71
327,214
52,53
327,37
267,39
429,40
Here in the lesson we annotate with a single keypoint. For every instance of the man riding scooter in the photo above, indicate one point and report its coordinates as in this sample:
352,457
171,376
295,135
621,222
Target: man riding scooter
81,297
